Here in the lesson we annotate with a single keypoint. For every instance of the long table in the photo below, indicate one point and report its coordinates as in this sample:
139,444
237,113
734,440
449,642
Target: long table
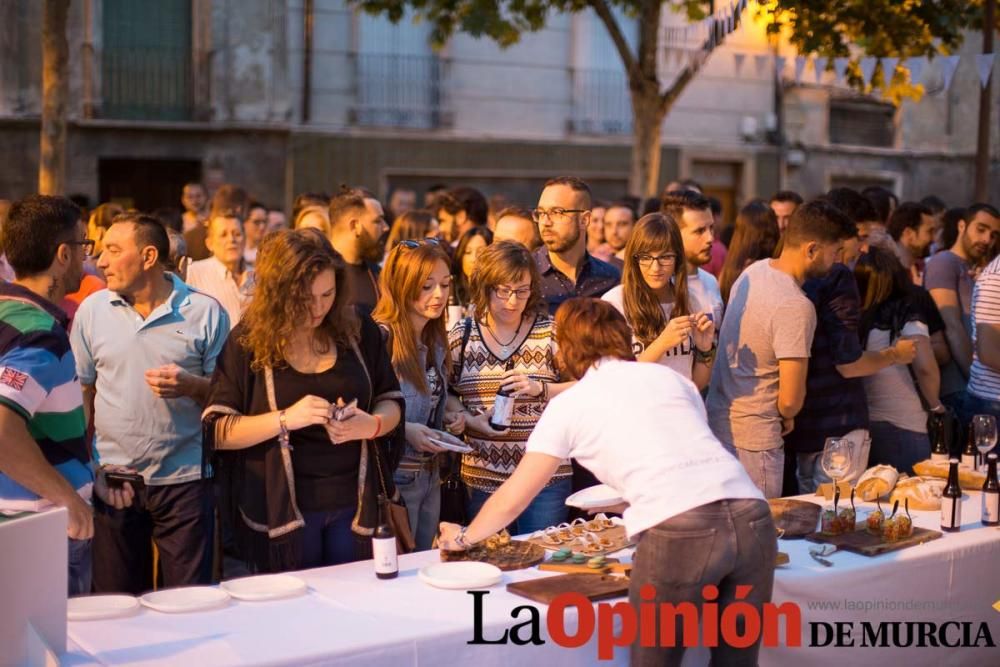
351,618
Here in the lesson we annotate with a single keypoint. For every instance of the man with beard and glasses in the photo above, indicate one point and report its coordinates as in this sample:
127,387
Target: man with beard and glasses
758,382
949,276
567,269
357,231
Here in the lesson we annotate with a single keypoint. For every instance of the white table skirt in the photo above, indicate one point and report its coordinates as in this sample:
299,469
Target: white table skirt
350,617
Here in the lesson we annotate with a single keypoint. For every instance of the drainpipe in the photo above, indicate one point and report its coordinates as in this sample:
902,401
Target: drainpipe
307,35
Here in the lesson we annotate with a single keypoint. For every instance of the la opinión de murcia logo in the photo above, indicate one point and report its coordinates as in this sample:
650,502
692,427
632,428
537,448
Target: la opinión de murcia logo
739,625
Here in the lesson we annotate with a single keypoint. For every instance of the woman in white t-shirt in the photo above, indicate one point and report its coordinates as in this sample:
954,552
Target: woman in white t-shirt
654,299
642,430
897,407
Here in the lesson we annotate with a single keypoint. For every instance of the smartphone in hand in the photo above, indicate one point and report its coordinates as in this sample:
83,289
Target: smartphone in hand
116,480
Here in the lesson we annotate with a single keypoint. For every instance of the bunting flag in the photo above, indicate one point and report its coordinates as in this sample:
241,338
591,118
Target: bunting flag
984,63
868,68
819,66
760,62
779,65
948,66
738,59
916,67
888,69
840,68
800,67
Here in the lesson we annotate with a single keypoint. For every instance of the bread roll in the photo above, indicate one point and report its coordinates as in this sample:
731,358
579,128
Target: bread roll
876,482
923,493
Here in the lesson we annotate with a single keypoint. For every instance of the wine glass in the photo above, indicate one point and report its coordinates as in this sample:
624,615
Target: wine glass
984,431
837,459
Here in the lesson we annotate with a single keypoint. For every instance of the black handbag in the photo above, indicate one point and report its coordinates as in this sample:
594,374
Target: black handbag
454,495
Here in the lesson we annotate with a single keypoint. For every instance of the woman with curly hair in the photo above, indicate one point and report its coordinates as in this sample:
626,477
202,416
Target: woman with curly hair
301,468
654,299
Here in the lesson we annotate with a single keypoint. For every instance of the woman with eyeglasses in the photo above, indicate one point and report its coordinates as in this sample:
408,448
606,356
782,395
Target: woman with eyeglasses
654,299
415,283
507,343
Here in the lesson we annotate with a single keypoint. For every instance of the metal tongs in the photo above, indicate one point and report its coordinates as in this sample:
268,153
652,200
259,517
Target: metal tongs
818,552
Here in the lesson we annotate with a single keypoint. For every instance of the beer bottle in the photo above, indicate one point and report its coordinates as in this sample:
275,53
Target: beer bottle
951,500
384,546
970,455
991,493
939,447
503,406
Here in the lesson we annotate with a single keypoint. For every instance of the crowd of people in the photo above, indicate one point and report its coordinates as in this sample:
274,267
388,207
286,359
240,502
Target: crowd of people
260,384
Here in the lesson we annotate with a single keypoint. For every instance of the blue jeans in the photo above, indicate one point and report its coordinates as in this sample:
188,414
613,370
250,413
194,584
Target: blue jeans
728,544
897,447
79,567
327,538
766,469
421,492
547,509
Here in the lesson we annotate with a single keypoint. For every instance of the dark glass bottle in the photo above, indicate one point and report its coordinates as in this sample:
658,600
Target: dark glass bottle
939,444
951,500
455,310
991,493
503,406
384,546
970,455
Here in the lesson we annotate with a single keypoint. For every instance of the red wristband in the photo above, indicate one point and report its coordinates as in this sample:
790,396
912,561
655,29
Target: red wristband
378,426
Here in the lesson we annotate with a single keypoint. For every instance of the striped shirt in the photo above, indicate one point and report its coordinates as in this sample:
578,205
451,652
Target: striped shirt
984,382
38,381
494,459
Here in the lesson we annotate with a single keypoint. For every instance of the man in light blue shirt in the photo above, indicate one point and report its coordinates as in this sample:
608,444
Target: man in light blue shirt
145,350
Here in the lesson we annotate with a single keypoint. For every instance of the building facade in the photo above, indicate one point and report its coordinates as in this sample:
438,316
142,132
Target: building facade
285,96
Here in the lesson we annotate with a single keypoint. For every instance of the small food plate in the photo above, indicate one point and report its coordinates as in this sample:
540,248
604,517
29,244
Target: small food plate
592,497
184,600
461,575
452,446
97,607
265,587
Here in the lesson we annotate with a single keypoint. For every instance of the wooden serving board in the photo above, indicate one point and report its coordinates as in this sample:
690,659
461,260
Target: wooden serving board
581,568
864,543
617,536
600,587
517,555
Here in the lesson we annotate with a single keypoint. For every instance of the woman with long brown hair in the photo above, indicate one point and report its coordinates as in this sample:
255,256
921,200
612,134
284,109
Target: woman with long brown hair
415,283
303,406
654,299
506,343
467,252
755,237
417,224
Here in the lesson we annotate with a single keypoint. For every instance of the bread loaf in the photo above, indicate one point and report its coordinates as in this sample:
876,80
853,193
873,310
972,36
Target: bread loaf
923,493
876,482
967,479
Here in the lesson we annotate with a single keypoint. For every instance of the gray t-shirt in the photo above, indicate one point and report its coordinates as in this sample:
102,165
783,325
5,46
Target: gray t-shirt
946,270
768,318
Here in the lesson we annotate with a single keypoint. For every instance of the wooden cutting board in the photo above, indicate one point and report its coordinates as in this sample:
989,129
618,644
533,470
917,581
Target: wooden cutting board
864,543
593,587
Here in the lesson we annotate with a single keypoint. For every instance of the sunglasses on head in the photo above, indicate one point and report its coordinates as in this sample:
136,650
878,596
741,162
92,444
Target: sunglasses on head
416,243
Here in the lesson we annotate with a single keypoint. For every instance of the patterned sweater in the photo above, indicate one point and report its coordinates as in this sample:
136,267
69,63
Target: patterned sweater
494,459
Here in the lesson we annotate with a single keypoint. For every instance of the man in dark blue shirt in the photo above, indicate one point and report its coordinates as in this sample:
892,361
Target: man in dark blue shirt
567,269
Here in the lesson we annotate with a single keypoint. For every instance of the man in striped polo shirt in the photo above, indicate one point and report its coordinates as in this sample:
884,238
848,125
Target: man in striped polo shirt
983,392
43,454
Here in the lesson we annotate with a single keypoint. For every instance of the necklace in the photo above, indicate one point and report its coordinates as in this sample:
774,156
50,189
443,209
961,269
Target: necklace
505,348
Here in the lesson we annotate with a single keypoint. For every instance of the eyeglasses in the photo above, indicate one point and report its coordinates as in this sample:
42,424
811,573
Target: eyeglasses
645,261
416,243
554,214
88,246
504,293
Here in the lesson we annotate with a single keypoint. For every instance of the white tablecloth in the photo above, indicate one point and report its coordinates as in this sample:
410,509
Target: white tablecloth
350,617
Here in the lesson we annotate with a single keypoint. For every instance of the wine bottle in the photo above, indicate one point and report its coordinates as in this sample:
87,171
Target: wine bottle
970,455
939,447
951,500
454,313
503,405
991,493
384,546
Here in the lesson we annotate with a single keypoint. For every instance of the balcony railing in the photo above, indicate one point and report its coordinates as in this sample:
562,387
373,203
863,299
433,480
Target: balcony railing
601,102
147,84
399,91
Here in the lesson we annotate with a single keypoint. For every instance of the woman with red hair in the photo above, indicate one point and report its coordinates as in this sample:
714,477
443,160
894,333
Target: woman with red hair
641,429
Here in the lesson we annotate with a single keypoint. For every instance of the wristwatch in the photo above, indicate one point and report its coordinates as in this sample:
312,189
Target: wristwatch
706,357
460,538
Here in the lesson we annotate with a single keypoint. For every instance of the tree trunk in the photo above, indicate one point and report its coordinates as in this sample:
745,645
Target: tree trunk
647,119
55,90
985,104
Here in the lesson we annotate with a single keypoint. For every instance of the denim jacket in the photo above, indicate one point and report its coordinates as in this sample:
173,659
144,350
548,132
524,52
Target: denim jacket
418,404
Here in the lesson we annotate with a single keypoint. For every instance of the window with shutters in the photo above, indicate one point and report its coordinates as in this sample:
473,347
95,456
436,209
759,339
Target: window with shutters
862,123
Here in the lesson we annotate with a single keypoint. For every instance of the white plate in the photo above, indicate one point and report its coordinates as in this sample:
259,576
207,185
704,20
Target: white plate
443,444
461,575
601,495
265,587
96,607
183,600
